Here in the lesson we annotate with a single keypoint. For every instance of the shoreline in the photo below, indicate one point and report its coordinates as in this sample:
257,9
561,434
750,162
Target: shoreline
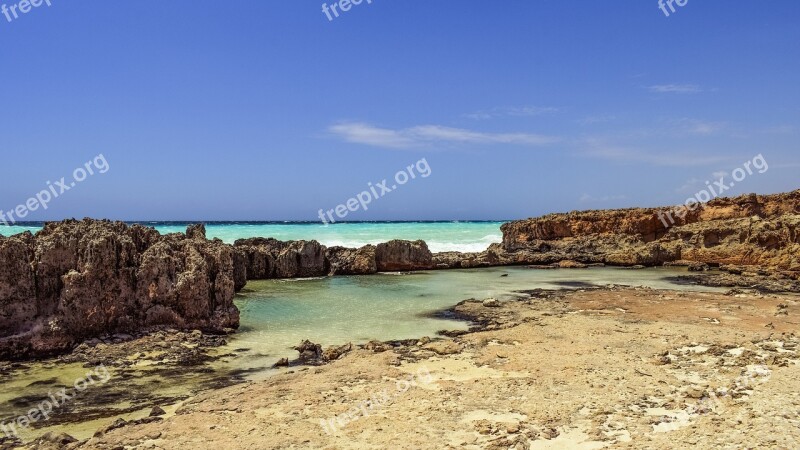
93,277
482,316
162,303
499,359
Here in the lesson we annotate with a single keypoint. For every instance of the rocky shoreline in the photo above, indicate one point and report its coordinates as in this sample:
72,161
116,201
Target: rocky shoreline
614,366
77,280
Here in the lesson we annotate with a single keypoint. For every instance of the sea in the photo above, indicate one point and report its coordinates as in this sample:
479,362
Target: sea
460,236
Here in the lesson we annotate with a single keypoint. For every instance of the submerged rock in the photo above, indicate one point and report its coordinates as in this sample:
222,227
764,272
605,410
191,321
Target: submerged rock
51,437
699,267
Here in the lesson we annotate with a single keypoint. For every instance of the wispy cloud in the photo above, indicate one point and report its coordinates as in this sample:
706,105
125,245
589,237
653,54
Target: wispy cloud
689,186
418,136
695,184
603,150
518,111
697,127
591,120
675,88
780,129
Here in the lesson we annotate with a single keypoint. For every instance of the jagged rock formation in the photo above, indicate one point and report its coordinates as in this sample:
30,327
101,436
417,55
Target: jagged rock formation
349,261
270,258
746,230
79,279
403,255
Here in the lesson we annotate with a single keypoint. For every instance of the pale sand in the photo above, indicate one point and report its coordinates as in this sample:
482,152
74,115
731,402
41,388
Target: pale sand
620,368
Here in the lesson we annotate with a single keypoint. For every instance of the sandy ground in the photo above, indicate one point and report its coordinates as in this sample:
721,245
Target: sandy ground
613,368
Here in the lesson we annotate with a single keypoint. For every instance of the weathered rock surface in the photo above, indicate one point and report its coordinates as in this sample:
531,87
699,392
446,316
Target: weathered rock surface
403,255
746,230
348,261
75,280
270,258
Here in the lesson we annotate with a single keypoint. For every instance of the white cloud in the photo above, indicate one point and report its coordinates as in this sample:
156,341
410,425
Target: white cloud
362,133
367,134
520,111
698,127
675,88
689,186
596,119
598,149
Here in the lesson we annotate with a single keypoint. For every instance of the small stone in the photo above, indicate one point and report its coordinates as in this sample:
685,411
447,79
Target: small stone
695,392
283,362
443,347
569,264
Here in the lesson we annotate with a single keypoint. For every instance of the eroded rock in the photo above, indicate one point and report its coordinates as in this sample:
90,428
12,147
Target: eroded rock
400,255
75,280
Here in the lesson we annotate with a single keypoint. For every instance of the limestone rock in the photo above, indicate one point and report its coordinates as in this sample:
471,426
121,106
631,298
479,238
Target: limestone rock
75,280
347,261
400,255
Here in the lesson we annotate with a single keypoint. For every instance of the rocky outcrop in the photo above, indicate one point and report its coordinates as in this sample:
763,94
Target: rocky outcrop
399,255
746,230
349,261
75,280
270,258
495,255
80,279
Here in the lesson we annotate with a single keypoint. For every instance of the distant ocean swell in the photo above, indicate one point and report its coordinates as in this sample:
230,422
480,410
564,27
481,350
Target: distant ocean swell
440,236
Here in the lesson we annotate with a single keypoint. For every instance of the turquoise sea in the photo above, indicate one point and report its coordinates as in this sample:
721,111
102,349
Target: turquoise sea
440,236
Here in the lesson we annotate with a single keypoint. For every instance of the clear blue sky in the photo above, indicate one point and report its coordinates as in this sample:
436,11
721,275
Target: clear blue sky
265,110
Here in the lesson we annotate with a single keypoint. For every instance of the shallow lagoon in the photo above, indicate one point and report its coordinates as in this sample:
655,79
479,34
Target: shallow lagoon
278,314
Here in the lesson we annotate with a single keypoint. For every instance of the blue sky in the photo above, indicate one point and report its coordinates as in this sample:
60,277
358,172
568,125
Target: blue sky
266,110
